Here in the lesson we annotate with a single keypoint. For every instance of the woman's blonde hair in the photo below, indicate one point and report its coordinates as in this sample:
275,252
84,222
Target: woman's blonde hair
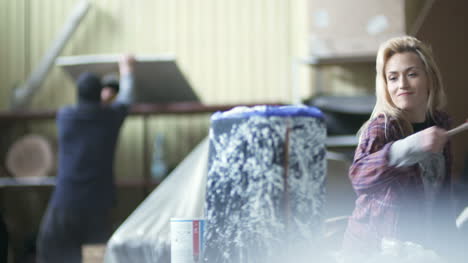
384,104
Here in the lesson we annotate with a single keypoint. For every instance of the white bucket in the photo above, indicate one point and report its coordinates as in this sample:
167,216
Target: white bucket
187,240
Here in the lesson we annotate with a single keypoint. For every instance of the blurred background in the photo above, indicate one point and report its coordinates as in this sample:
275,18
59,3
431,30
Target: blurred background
231,53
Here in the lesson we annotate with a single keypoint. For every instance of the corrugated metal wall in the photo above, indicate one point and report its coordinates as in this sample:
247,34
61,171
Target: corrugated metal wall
230,51
12,47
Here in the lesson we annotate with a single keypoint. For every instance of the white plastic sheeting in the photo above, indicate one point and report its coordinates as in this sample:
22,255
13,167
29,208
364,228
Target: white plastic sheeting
145,235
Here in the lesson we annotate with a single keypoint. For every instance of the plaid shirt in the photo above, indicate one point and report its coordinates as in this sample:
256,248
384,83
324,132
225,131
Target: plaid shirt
390,201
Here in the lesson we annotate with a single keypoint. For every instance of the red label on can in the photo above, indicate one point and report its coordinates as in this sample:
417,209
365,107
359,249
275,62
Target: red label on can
196,240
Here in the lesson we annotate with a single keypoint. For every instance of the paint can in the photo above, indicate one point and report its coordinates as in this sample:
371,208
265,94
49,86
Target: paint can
187,240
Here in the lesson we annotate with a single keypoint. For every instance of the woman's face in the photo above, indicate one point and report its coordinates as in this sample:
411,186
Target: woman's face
407,84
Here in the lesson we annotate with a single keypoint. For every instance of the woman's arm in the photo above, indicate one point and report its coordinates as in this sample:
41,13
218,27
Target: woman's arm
416,147
371,170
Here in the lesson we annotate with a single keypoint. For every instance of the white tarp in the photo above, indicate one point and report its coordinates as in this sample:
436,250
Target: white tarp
145,235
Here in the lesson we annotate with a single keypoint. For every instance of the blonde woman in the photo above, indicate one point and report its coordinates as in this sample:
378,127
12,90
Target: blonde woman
401,168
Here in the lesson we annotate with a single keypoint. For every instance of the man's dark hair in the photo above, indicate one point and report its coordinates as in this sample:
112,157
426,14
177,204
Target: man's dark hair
89,87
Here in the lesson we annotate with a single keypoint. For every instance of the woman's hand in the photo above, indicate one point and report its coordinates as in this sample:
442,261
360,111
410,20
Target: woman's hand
433,139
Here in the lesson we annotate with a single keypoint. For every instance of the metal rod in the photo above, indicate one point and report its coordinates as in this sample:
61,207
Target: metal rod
22,95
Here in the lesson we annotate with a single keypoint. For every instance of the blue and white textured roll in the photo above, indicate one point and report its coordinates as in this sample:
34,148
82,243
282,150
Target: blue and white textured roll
266,182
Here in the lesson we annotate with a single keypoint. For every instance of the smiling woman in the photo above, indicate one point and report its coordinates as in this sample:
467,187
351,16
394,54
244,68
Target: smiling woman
407,85
402,165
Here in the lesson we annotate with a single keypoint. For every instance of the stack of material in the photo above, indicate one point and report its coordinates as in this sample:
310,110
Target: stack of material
266,183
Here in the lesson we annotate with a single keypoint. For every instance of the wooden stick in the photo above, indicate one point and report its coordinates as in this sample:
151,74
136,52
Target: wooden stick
458,129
